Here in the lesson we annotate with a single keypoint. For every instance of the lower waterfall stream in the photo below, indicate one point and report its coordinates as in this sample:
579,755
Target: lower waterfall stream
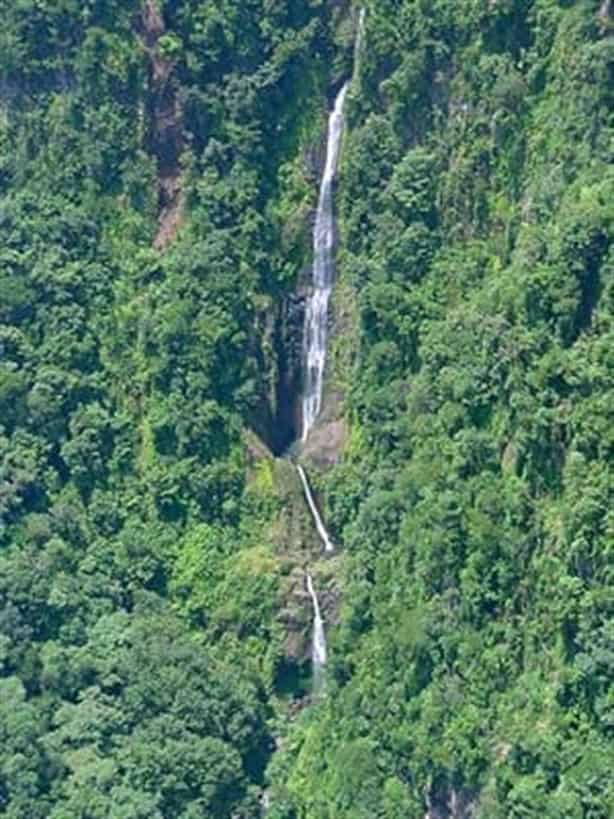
318,639
318,645
324,536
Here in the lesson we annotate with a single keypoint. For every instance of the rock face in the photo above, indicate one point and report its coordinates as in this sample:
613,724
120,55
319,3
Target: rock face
326,442
289,343
295,617
164,118
277,340
450,803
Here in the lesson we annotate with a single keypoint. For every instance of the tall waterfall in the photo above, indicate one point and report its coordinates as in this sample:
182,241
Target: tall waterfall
315,333
318,645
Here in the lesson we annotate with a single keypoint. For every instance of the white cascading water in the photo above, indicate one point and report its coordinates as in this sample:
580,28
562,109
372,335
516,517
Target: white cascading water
315,337
318,644
360,34
324,536
316,313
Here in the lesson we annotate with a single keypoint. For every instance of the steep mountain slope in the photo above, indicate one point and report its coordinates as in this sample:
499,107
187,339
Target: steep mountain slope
143,584
472,670
159,166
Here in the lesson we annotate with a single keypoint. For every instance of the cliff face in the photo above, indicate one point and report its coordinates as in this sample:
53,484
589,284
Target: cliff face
280,327
278,345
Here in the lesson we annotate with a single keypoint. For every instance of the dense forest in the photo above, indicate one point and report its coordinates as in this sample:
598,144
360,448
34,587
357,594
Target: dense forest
159,166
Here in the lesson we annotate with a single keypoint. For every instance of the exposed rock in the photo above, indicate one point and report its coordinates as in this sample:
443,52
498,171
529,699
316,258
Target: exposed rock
164,119
277,346
171,215
296,613
325,444
295,616
297,539
329,590
299,549
289,346
450,803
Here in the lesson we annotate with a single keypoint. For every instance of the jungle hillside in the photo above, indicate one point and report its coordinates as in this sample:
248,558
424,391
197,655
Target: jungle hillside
159,171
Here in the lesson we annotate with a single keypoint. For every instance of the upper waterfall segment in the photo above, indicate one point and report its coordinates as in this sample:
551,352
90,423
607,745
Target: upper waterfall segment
316,314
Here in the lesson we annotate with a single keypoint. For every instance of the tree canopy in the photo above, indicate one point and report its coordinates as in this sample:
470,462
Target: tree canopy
158,170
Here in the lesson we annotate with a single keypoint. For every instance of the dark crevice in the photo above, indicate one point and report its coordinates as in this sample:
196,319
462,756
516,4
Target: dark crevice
287,423
277,419
292,679
588,275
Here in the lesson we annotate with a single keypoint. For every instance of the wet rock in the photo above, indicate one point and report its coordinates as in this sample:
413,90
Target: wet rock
326,442
450,803
295,617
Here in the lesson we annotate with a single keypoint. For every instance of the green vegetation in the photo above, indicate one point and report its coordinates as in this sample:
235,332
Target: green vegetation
473,663
156,176
138,580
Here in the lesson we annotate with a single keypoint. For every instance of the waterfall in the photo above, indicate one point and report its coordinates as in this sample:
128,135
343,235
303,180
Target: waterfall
318,645
316,314
315,334
360,35
324,537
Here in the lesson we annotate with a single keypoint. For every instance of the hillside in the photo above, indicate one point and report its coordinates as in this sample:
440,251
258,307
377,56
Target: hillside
159,170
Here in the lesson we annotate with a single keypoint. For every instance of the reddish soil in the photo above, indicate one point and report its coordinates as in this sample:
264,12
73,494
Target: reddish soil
164,136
